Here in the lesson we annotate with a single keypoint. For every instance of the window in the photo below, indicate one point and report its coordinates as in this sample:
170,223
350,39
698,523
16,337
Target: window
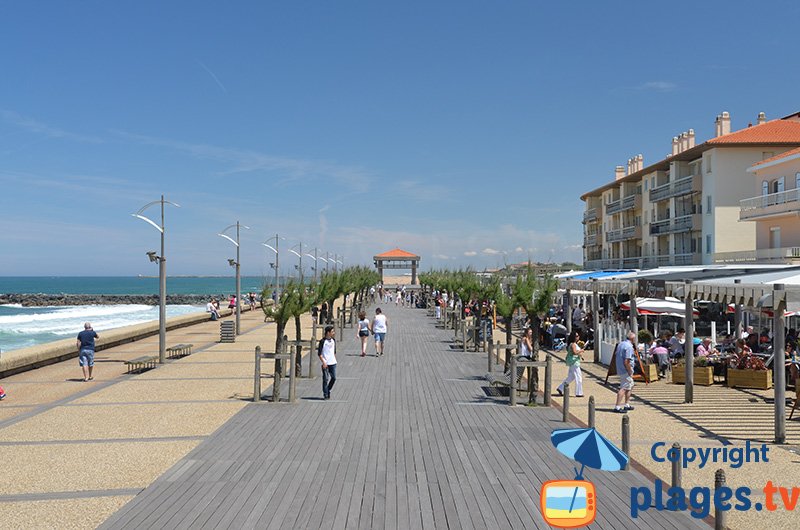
764,188
708,244
652,182
708,204
708,164
645,184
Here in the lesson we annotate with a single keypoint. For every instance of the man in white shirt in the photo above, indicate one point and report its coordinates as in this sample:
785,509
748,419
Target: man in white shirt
326,350
379,329
210,308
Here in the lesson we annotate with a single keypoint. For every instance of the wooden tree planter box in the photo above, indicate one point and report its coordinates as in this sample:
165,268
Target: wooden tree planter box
758,379
650,370
703,375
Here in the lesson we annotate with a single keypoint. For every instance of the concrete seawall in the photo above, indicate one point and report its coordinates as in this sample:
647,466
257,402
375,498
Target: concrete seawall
23,359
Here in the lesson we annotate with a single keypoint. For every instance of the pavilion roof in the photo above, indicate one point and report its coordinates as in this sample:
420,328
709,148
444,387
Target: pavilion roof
396,254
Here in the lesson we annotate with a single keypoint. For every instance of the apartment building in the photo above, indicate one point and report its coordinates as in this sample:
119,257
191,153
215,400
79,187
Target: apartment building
774,208
684,209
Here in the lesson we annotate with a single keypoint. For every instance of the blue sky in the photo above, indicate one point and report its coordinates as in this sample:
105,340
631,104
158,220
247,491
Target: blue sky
464,131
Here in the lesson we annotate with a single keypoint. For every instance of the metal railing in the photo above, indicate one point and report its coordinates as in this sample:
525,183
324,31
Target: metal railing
625,203
590,215
774,203
676,188
681,223
779,255
621,234
590,239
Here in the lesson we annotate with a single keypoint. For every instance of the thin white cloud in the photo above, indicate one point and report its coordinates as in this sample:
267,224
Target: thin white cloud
519,250
421,191
323,224
657,86
491,251
213,75
37,127
470,253
442,256
245,161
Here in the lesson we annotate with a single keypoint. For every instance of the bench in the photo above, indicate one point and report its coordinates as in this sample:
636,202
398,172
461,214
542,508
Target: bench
179,350
141,363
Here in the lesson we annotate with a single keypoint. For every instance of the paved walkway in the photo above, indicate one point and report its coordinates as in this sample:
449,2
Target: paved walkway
409,440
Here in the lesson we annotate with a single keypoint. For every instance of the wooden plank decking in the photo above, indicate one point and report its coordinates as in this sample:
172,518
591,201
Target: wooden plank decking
408,441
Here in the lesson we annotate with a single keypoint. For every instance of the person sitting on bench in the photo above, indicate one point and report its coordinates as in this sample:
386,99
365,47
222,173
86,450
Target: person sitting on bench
210,308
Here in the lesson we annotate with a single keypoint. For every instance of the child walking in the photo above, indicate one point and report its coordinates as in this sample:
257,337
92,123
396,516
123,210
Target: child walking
363,331
574,358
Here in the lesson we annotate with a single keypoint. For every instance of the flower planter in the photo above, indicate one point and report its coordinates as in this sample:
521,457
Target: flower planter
703,375
758,379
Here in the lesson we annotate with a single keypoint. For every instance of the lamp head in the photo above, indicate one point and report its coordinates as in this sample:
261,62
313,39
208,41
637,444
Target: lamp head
271,265
232,262
152,256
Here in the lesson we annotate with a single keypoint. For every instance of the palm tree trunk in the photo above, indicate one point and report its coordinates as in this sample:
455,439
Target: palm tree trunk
276,384
298,356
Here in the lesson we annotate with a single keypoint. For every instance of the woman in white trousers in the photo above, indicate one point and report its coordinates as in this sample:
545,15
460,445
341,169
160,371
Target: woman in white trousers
574,358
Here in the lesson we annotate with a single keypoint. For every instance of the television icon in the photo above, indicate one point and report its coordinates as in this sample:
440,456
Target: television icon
568,503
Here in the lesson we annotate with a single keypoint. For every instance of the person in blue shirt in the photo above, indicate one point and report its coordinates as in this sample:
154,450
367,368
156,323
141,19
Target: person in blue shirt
85,343
625,360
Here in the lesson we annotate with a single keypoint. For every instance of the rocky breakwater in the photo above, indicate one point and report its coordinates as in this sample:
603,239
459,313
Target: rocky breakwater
40,299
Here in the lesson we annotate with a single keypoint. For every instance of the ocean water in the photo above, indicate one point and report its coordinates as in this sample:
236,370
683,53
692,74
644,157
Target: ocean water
21,327
28,326
211,285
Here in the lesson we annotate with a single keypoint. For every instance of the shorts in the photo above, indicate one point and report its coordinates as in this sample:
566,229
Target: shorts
363,333
86,358
626,382
380,337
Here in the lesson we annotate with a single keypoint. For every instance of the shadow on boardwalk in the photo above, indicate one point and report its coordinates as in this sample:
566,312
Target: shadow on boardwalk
409,440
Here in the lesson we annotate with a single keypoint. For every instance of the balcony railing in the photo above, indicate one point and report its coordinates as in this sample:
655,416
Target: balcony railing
774,255
625,203
590,215
676,188
590,240
778,203
621,234
683,223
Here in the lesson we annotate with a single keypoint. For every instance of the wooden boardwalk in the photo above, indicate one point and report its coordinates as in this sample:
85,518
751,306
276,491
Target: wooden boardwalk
410,440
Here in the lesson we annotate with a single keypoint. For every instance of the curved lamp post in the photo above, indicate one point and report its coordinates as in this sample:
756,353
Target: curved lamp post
237,264
316,259
275,265
162,275
300,256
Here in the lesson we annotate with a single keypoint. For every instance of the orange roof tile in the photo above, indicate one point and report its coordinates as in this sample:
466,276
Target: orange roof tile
771,132
397,253
778,157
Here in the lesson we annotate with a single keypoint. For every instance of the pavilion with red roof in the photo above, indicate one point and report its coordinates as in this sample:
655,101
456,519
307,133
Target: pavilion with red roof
397,259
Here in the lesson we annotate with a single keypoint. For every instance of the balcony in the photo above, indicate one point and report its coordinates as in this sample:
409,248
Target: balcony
589,240
683,223
626,203
764,255
590,215
772,205
622,234
677,188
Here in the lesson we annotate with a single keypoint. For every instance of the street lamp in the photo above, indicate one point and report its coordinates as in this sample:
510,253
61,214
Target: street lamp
276,265
300,256
315,257
237,264
162,275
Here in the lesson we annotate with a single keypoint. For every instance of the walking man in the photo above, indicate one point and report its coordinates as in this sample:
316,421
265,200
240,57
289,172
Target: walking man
625,359
379,328
327,355
85,343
